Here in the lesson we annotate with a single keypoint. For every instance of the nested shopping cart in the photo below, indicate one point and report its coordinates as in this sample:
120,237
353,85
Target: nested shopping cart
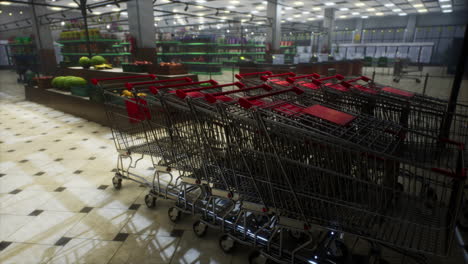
252,78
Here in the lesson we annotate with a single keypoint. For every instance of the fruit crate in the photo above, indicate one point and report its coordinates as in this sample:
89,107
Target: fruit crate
170,69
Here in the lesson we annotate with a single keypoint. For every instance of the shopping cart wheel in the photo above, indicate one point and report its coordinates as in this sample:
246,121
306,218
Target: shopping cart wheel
150,201
174,214
199,228
117,182
227,244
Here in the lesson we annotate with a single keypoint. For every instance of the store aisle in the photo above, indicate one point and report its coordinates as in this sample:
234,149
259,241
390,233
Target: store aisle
57,202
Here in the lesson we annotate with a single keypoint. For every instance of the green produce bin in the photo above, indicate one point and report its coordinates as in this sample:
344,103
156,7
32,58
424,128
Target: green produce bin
80,90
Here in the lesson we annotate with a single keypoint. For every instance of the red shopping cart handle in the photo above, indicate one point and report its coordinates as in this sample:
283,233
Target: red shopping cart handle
363,78
129,86
212,97
183,92
242,75
266,77
156,88
96,81
336,76
246,101
293,79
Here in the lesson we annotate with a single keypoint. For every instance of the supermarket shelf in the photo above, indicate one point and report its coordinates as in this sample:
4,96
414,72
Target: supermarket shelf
168,42
84,40
287,46
206,73
198,44
201,63
99,54
20,44
125,43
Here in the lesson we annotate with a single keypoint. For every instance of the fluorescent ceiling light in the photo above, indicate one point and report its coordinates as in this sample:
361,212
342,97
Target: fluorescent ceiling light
389,5
306,12
447,11
297,15
320,16
298,3
254,11
359,4
446,6
283,12
231,7
402,14
175,10
115,9
282,21
310,18
4,3
422,10
418,5
364,17
289,18
344,9
97,13
73,4
56,8
316,8
200,7
124,13
234,2
371,9
200,14
355,13
343,16
260,7
265,2
199,1
396,10
379,14
288,8
444,0
329,4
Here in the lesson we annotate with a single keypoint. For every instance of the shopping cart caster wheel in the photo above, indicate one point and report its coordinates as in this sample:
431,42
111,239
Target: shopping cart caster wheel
174,214
150,201
227,244
117,182
199,228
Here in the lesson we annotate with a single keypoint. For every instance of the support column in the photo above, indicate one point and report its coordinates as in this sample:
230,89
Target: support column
357,36
410,28
141,25
329,27
273,37
43,38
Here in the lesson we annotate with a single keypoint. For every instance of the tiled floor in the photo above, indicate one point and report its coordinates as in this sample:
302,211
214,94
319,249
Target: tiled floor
58,205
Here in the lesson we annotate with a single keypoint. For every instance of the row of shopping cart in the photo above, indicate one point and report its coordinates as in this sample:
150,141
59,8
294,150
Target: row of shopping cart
289,164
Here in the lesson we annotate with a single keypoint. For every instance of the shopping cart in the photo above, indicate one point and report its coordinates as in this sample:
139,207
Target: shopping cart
252,78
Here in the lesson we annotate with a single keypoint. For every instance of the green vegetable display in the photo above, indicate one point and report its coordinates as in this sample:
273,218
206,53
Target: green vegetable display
97,60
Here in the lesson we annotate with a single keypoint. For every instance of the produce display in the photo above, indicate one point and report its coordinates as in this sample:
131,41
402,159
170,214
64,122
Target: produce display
66,82
85,62
97,60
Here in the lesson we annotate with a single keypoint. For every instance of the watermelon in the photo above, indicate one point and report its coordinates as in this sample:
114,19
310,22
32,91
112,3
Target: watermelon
97,60
72,81
59,82
85,62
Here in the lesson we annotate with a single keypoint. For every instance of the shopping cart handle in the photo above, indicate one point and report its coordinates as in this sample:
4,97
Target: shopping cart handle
242,75
246,101
96,81
346,84
211,97
317,82
129,86
293,79
337,76
212,82
364,78
183,93
266,77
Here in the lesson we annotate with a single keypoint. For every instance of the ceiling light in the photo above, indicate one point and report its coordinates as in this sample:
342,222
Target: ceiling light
446,6
124,13
320,16
310,18
73,4
418,5
260,7
1,11
227,11
355,13
329,3
283,12
371,9
56,8
21,12
396,10
306,12
288,8
10,14
364,17
447,11
200,14
254,11
4,3
116,9
231,7
359,4
402,14
379,14
282,21
342,16
235,2
389,5
200,1
297,15
97,13
316,8
422,10
298,3
344,9
62,23
289,18
444,0
265,2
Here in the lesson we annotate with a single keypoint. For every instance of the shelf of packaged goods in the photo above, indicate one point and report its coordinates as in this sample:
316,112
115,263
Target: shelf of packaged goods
124,43
287,46
20,44
233,61
84,40
199,53
168,42
99,54
198,44
201,63
253,53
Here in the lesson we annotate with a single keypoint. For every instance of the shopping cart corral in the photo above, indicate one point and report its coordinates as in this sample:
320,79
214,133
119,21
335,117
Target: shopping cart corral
289,171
